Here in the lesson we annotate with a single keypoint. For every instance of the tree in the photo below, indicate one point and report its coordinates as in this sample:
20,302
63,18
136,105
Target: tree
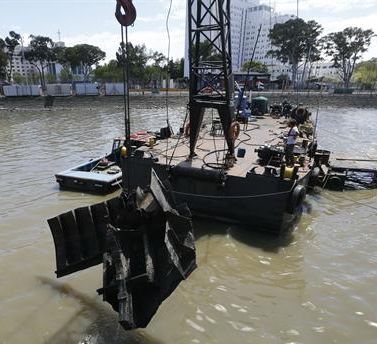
19,78
137,59
255,66
61,56
366,73
40,54
345,49
159,59
11,42
110,72
295,41
65,74
283,81
176,68
84,56
51,78
3,60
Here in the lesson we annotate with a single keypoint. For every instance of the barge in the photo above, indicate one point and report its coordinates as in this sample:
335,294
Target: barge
259,191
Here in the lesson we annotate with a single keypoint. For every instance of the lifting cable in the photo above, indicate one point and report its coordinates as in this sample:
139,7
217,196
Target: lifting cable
126,96
168,81
126,20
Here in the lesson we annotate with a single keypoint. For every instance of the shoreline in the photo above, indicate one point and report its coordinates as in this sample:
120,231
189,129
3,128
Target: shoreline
148,100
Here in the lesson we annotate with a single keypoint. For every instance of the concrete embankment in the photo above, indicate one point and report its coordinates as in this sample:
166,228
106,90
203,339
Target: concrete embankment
148,100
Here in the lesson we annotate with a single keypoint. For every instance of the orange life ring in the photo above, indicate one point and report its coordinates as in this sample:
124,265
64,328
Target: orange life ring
186,131
234,130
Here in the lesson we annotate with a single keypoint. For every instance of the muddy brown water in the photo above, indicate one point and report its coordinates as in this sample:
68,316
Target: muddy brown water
316,286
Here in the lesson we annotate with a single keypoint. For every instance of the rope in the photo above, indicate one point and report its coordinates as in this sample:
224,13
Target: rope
176,146
231,197
168,79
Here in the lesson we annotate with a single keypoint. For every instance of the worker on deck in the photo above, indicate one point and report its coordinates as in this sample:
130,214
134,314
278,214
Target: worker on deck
291,141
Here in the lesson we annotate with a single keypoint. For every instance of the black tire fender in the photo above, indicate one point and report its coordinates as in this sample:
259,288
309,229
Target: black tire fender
296,198
335,183
314,176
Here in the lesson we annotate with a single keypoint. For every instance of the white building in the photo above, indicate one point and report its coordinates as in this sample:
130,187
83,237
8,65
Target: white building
20,64
24,68
247,18
324,69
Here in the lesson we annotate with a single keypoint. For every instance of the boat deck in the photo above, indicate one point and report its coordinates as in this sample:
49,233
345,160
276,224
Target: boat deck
258,132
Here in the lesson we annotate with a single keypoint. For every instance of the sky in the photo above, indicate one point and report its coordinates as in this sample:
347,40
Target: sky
93,21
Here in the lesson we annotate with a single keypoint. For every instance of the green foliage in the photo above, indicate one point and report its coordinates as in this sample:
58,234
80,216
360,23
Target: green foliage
40,54
61,56
109,72
283,81
33,78
19,78
295,41
366,73
51,78
206,52
3,60
158,59
83,55
10,44
254,66
176,69
66,74
136,58
345,49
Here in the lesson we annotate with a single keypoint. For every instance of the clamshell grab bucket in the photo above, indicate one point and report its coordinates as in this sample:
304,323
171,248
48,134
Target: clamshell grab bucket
145,244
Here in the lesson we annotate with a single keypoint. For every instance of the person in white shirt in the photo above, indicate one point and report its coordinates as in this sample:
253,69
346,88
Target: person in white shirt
291,141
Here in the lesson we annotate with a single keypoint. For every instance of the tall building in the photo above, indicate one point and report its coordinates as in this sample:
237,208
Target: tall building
251,22
20,65
23,67
250,40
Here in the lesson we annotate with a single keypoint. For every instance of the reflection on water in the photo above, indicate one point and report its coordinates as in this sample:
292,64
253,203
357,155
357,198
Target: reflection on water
316,285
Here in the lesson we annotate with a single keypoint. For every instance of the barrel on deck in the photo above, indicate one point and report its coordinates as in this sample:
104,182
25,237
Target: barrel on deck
260,104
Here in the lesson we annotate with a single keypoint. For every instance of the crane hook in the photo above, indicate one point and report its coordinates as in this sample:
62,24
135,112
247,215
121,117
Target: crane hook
129,17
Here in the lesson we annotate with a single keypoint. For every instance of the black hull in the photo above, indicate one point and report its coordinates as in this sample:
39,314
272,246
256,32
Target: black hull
89,186
259,202
82,178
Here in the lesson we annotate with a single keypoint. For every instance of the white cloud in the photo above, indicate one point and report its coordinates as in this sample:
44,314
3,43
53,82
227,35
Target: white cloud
290,6
334,15
333,24
154,40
